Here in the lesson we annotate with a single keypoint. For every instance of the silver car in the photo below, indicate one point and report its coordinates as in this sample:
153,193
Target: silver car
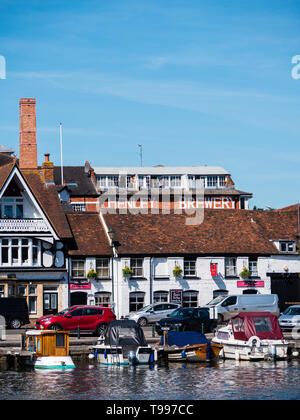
152,313
290,318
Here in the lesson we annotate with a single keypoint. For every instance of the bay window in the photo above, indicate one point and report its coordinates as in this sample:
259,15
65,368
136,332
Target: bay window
20,252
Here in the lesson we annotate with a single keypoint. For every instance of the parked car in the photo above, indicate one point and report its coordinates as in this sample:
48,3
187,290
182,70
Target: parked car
290,318
88,318
187,319
229,306
152,313
15,311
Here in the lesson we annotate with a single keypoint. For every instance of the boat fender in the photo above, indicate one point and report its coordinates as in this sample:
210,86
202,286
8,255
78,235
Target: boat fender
183,355
91,356
254,342
151,358
105,354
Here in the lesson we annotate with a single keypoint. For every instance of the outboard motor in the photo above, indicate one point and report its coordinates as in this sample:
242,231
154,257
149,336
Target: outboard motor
132,359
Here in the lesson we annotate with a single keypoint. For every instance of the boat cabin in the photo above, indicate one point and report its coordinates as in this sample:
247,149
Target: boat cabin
263,325
47,343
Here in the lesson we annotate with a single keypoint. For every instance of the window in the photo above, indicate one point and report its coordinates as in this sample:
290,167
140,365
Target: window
161,268
11,208
78,269
231,300
77,312
79,207
60,340
175,181
101,181
112,181
190,299
238,325
20,252
230,267
222,181
103,299
136,265
11,290
93,312
130,181
287,246
220,292
32,304
189,268
262,324
22,290
212,181
102,267
253,267
136,301
160,297
1,291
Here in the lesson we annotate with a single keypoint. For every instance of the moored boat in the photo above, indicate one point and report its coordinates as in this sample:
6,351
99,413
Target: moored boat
50,349
124,343
252,336
187,346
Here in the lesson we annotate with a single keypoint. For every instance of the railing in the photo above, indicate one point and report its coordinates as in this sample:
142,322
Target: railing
23,225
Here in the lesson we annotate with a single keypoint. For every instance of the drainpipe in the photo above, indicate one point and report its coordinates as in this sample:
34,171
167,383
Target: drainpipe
151,285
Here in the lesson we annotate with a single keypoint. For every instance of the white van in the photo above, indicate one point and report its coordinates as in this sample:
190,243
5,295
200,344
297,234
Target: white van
228,306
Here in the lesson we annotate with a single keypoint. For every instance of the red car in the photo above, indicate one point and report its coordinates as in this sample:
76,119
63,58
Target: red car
88,318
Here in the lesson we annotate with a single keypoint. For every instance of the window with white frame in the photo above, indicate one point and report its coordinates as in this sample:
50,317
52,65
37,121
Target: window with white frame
78,206
212,181
287,246
230,266
112,181
136,301
222,181
1,291
103,299
190,299
136,265
32,299
11,208
175,181
253,266
102,267
101,180
160,296
78,269
190,267
20,252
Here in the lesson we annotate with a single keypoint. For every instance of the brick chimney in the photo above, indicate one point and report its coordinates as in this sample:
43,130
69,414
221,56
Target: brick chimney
27,144
48,169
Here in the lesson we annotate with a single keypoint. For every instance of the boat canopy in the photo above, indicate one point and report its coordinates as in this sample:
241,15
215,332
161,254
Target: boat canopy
124,333
185,338
263,325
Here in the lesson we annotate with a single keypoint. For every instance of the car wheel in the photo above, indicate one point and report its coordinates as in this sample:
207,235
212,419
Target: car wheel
15,324
101,329
142,322
56,327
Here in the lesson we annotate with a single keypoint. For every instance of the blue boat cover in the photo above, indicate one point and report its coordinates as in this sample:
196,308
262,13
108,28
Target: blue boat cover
184,338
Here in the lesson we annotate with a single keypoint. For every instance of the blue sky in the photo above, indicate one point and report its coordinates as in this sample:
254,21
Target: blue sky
195,81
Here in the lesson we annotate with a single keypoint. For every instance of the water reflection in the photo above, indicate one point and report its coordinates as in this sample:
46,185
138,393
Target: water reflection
225,380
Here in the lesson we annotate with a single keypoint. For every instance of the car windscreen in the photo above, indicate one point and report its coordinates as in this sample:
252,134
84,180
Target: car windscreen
182,312
217,300
292,311
64,311
145,308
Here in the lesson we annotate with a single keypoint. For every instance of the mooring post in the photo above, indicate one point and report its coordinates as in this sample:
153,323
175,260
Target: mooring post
78,332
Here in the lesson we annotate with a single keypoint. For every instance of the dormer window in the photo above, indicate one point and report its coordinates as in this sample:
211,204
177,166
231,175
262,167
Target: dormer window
287,246
11,208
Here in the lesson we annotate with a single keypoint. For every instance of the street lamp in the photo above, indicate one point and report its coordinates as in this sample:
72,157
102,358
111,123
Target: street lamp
111,234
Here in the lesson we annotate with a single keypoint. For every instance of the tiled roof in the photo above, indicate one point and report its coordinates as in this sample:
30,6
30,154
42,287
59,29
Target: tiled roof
47,196
222,232
79,182
89,235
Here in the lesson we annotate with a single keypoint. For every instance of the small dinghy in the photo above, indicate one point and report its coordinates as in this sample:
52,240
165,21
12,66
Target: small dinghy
50,349
124,343
187,346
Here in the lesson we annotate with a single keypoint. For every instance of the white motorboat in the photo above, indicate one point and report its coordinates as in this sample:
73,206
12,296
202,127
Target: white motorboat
252,336
124,343
49,349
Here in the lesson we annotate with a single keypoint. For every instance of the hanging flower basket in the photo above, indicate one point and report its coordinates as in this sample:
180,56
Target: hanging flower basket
177,272
245,273
92,275
127,272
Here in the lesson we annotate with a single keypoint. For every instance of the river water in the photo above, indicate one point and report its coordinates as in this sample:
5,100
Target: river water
224,380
